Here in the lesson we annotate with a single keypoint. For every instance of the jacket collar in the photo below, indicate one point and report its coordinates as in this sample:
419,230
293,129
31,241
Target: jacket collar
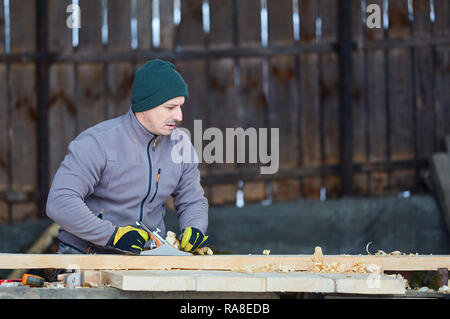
139,132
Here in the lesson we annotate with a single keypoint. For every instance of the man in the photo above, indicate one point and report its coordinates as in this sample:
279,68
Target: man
120,171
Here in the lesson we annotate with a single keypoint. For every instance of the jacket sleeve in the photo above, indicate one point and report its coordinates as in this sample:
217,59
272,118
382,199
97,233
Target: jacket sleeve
74,181
189,200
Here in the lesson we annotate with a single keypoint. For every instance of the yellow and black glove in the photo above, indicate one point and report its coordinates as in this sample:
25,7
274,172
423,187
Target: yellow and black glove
191,239
129,238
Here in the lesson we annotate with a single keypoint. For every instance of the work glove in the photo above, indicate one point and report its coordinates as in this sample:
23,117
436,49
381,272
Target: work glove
191,239
129,238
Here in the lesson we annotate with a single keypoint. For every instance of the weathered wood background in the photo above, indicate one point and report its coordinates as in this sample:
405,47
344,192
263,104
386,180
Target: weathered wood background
51,89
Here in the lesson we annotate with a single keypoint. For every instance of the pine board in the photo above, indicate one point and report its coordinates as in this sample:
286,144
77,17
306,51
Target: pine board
215,262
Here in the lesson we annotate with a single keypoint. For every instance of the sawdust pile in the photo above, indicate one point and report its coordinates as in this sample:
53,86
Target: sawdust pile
172,240
319,265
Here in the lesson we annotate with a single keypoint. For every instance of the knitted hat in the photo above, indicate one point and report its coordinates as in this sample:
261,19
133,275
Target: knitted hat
154,83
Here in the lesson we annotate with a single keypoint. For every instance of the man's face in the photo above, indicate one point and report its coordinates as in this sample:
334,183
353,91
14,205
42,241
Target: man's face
161,120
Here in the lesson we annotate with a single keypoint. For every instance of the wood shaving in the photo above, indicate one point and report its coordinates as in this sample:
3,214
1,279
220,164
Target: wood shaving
392,253
266,252
367,248
317,258
445,289
205,251
172,241
319,265
261,267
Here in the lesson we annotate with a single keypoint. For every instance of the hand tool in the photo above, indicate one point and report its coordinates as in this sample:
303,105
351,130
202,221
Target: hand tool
162,247
32,280
28,280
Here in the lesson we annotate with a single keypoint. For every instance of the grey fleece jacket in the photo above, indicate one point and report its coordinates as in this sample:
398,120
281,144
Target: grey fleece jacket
117,172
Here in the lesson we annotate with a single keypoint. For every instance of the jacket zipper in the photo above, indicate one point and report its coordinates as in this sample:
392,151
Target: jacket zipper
157,182
149,179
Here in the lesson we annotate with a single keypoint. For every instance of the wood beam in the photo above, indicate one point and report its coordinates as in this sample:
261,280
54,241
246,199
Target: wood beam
226,281
216,262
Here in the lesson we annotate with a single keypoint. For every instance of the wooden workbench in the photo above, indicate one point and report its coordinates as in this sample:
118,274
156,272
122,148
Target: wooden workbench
229,273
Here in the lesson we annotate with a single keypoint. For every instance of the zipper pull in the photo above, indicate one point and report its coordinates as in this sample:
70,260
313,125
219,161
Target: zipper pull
157,176
154,143
156,186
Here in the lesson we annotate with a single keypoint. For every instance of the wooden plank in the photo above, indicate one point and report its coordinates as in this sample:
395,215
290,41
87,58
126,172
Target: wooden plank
90,77
221,24
252,100
62,108
144,24
226,281
23,29
299,282
377,109
59,35
118,77
2,27
62,113
249,15
359,104
167,27
158,280
4,148
216,262
23,136
440,170
252,106
90,106
310,99
24,106
229,281
4,180
284,116
91,23
400,96
400,85
119,82
441,72
196,106
283,97
423,75
119,36
369,284
308,14
191,33
280,22
223,114
329,90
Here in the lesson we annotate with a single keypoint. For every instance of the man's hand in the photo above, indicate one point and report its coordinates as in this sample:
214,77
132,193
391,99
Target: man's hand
192,239
129,238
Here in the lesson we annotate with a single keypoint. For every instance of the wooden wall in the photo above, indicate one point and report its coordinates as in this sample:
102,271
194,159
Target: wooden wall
399,92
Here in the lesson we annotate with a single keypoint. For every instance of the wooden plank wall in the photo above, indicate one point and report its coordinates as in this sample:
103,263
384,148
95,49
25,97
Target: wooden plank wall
400,104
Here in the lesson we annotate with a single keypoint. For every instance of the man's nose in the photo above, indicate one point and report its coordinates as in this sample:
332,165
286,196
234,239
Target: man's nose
178,114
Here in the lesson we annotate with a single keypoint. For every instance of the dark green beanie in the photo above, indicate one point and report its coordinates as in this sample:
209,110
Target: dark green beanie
154,83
